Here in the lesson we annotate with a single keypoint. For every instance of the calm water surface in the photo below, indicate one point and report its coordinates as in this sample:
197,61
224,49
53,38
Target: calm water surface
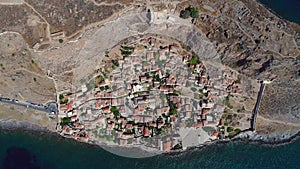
288,9
49,152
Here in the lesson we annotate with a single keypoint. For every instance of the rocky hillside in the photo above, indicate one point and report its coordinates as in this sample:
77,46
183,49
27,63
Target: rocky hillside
258,44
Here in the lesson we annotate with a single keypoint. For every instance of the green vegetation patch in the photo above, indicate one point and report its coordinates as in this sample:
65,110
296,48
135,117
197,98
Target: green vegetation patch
126,50
176,92
160,131
115,111
173,112
65,121
194,60
91,85
99,79
115,63
102,88
227,102
177,147
173,108
229,129
189,12
237,130
63,99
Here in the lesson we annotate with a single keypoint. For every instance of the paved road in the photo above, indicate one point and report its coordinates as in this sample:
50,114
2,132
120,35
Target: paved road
255,110
48,108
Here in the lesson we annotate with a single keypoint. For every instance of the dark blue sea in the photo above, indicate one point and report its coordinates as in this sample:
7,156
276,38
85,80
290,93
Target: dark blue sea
288,9
20,150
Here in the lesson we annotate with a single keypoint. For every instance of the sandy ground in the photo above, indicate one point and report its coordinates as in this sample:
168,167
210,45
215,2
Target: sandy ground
267,126
21,77
11,112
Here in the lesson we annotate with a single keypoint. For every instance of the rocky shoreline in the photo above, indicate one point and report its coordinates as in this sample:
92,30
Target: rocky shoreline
272,139
246,136
15,125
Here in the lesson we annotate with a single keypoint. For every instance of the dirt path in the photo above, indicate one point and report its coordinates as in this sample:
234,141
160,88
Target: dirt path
48,25
277,121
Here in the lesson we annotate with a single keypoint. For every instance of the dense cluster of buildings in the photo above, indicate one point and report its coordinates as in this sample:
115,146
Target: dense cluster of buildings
147,97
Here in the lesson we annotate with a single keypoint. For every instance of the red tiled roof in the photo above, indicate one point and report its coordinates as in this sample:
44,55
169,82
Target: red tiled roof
69,107
167,146
146,131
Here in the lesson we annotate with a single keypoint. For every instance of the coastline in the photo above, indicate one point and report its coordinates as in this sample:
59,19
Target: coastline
127,151
274,12
246,136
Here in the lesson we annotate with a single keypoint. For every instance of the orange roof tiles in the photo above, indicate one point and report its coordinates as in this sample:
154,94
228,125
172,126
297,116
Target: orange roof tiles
167,146
146,131
69,107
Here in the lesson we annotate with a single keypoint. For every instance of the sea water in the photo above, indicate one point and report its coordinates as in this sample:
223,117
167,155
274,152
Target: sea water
51,152
288,9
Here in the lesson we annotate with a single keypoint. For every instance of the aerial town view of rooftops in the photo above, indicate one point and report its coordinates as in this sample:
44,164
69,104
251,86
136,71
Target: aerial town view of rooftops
153,92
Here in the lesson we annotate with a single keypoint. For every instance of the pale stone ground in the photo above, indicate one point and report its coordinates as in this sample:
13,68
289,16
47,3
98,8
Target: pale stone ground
85,54
11,2
193,137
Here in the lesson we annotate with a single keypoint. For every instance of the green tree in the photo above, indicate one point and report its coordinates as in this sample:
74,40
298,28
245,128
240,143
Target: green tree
194,60
115,62
99,79
61,96
229,129
65,121
115,111
173,112
194,13
185,14
237,130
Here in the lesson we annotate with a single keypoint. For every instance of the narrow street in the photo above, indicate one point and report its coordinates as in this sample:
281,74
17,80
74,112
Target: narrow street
48,108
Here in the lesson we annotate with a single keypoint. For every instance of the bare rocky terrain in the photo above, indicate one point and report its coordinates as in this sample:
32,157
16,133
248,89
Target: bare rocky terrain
24,21
240,34
21,77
